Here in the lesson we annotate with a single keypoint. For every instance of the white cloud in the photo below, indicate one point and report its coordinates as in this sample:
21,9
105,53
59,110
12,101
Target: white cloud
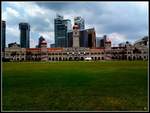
116,38
33,10
12,35
14,31
12,12
33,43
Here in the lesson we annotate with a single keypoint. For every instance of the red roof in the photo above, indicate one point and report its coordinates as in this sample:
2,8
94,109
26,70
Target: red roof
33,49
54,49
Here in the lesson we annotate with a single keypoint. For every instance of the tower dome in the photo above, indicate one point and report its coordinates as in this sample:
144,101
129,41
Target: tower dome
43,42
76,27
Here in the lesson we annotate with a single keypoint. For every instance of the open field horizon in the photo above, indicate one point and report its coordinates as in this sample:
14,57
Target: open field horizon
75,86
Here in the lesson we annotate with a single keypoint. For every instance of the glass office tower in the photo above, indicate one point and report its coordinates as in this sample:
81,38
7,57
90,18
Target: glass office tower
24,35
62,27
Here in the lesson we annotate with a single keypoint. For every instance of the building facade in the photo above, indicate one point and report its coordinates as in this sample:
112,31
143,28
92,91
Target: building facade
128,52
24,35
102,41
13,44
52,45
79,44
61,27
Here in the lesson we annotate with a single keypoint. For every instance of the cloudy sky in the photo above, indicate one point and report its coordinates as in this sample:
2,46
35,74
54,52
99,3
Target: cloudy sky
121,21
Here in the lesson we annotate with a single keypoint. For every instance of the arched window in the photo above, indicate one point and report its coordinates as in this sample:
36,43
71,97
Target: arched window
82,58
53,59
59,58
70,58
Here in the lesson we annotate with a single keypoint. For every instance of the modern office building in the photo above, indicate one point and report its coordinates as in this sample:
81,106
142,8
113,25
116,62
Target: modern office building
68,25
61,27
3,35
87,38
83,38
80,22
36,46
103,40
52,45
24,35
70,39
91,38
98,41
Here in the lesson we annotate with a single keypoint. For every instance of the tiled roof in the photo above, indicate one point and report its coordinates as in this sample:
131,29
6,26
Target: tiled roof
54,49
33,49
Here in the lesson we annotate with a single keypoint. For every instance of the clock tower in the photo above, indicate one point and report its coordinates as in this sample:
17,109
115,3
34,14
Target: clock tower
76,34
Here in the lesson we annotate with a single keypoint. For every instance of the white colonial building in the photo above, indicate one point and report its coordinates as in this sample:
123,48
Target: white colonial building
136,51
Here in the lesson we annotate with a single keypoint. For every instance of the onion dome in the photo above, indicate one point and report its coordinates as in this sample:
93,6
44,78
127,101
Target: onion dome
75,27
43,42
108,40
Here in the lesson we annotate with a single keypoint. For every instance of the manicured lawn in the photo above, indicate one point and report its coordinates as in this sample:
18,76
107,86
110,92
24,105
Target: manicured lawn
84,86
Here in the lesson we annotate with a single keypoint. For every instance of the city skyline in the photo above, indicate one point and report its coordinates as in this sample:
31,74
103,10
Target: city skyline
103,16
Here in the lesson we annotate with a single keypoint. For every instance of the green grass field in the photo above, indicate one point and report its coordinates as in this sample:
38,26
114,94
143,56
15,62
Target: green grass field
84,86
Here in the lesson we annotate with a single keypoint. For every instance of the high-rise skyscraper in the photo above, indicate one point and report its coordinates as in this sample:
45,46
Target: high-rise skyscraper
68,28
103,40
3,35
61,26
80,22
24,35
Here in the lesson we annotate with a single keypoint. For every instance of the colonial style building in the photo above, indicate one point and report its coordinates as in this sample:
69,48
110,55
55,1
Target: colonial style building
136,51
